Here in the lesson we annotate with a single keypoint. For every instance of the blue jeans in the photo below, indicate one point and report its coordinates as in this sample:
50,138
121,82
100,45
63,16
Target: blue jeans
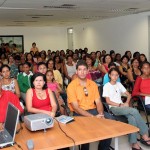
103,144
134,118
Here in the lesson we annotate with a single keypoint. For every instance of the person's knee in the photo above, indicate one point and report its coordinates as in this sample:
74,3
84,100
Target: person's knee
134,111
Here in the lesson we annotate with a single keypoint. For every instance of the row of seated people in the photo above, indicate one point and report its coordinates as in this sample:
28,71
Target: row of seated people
84,99
41,68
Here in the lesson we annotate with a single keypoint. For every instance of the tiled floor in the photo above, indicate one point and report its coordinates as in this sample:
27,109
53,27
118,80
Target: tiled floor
123,144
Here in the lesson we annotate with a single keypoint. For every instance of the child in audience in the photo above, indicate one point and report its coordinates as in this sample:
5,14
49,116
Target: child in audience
24,79
112,92
55,87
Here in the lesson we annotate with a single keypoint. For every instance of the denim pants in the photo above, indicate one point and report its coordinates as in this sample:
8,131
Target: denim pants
103,144
134,118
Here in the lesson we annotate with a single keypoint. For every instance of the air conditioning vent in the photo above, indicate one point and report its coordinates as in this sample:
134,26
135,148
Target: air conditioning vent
64,6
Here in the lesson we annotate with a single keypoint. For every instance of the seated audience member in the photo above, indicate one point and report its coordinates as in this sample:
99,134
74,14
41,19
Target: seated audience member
14,67
112,55
93,72
106,78
123,68
29,58
43,56
136,55
58,65
142,83
39,99
5,98
55,87
129,54
42,67
75,58
84,100
104,67
134,70
112,92
117,59
142,59
9,84
34,48
24,79
4,59
57,75
69,69
98,58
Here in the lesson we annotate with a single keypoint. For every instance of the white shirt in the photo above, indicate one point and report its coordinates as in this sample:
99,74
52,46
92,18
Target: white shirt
114,92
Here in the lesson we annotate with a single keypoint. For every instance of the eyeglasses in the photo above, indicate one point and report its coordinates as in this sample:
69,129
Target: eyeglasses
85,91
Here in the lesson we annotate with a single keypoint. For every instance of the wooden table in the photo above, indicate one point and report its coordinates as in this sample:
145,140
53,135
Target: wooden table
82,130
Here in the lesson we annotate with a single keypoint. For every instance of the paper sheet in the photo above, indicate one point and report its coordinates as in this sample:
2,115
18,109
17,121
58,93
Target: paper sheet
147,100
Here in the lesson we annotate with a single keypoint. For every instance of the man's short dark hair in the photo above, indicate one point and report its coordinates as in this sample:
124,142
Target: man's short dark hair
81,63
41,63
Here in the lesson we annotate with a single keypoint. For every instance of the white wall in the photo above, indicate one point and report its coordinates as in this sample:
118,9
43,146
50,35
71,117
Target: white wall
121,34
45,37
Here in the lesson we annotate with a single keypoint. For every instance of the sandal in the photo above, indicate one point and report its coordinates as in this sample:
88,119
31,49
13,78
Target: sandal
136,148
145,142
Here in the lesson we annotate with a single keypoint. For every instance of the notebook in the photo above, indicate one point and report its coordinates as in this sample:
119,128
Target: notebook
7,135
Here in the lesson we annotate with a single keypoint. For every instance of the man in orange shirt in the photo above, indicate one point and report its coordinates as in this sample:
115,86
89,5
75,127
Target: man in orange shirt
84,100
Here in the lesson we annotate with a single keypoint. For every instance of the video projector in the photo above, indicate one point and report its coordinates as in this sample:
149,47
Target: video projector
36,122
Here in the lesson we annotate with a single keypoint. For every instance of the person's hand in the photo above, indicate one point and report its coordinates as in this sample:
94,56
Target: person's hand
100,116
1,126
52,114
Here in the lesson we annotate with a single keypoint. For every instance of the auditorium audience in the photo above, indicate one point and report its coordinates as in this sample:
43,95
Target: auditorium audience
39,99
112,92
60,67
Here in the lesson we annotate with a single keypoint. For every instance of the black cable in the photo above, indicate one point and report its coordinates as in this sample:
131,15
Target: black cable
66,134
18,145
21,127
3,3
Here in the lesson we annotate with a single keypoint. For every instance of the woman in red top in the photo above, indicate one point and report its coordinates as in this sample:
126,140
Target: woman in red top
39,99
142,83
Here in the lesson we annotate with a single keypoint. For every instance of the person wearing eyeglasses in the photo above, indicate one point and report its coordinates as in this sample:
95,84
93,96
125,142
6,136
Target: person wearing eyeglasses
84,100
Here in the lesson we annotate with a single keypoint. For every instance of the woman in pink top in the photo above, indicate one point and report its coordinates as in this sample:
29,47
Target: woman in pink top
55,87
39,99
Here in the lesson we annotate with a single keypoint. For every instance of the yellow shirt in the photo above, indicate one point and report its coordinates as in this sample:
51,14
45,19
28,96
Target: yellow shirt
58,77
76,93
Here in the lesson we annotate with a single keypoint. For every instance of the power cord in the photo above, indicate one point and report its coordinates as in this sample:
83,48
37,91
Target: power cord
66,134
18,145
21,127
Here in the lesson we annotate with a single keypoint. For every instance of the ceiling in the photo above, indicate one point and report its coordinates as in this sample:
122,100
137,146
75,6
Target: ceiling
39,13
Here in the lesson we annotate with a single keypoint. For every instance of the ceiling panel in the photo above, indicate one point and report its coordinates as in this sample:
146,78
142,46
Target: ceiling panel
65,12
